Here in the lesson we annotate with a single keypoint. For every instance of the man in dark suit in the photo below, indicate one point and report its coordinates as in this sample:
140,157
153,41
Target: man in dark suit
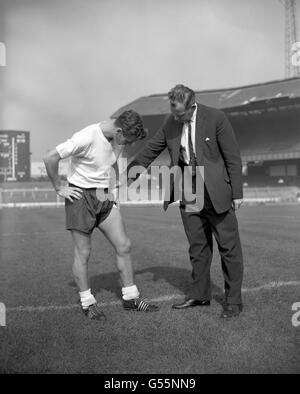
197,135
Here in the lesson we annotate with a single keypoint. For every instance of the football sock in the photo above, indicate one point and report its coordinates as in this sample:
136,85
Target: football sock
130,292
86,298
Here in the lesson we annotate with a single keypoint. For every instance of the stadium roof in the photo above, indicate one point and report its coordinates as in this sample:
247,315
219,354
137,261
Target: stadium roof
158,104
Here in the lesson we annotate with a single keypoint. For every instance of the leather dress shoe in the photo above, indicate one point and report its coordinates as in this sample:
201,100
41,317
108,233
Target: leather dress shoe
189,303
231,311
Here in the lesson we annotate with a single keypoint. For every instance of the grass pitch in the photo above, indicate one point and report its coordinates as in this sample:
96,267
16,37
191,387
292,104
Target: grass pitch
46,332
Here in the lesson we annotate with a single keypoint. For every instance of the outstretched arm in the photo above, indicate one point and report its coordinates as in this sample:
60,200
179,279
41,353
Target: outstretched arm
51,163
152,149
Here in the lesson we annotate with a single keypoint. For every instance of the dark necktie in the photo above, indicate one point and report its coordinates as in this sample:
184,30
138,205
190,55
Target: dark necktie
193,159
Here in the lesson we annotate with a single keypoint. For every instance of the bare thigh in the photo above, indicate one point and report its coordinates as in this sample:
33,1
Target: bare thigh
113,228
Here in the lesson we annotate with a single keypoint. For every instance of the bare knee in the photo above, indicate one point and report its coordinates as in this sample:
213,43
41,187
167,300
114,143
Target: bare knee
124,247
82,255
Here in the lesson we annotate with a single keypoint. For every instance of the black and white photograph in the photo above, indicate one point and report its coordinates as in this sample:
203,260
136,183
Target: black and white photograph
149,190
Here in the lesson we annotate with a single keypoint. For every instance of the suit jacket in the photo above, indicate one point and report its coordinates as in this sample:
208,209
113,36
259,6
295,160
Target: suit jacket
216,149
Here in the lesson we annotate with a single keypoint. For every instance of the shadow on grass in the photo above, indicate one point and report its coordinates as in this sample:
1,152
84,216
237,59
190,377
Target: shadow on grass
178,278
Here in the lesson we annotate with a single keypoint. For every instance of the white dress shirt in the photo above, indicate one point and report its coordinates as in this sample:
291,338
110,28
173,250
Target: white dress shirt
184,137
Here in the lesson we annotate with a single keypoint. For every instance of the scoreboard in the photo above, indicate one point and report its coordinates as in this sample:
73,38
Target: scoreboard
14,155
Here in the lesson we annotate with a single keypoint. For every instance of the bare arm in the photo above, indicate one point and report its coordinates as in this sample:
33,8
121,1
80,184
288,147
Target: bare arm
51,163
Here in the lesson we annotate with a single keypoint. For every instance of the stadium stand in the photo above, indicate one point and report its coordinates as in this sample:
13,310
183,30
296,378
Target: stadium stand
266,120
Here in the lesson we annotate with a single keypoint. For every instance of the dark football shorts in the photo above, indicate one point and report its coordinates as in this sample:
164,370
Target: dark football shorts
87,213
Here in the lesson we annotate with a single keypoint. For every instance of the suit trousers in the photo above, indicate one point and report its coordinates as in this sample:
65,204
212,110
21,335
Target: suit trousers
200,228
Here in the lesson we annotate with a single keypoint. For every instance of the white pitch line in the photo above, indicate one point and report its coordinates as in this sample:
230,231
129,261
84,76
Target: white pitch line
155,203
271,285
46,308
32,233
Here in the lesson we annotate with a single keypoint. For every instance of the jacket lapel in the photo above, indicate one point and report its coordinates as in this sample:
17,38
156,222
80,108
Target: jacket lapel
200,133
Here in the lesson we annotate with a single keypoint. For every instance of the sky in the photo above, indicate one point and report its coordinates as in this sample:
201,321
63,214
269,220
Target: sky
71,63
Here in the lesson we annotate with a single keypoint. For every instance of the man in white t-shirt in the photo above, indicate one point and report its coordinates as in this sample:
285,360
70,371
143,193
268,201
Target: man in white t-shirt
92,152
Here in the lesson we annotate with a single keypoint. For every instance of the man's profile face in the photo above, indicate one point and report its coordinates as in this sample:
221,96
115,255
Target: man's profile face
122,140
180,112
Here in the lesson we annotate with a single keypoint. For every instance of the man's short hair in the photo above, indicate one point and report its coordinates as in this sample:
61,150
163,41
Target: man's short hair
182,94
131,124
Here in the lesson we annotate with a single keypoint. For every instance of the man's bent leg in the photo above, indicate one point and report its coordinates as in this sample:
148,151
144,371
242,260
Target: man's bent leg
113,228
82,250
82,243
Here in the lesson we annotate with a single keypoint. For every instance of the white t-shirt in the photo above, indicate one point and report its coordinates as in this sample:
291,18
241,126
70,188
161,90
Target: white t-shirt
91,157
